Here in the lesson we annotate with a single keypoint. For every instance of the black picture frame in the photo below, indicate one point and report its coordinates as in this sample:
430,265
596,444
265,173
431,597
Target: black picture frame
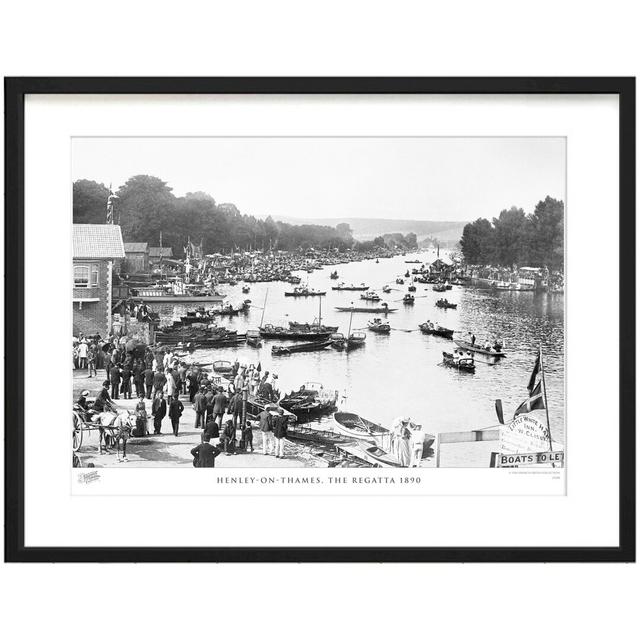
15,91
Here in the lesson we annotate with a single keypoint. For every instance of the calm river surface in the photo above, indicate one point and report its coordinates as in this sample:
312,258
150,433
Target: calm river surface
401,374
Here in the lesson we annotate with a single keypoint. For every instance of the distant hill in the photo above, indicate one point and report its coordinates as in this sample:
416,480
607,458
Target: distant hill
369,228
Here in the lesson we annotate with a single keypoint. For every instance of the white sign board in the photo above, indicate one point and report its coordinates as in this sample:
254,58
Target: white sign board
522,459
525,434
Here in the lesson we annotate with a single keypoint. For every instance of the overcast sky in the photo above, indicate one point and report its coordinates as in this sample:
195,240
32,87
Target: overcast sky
402,178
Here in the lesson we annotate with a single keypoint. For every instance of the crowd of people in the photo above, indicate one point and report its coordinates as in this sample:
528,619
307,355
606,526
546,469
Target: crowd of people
159,375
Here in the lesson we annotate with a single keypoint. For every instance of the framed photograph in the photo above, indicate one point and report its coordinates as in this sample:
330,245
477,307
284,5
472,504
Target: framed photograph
320,319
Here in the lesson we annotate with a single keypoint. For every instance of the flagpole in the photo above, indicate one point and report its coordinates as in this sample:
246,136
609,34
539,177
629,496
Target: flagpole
546,404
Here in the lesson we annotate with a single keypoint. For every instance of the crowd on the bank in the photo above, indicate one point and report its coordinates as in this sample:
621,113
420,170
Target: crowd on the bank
162,377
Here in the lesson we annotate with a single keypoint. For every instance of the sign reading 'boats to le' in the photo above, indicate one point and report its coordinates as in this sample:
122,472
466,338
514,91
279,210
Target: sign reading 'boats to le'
519,459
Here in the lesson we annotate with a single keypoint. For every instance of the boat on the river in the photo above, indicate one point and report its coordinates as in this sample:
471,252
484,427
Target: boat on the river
253,338
492,353
384,308
351,287
436,330
377,325
222,367
408,299
439,288
334,275
370,296
354,426
386,289
443,303
338,341
355,340
399,281
458,362
246,289
411,287
301,347
304,292
283,333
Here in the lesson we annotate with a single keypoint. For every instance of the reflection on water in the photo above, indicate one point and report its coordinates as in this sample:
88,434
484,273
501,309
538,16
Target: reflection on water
401,374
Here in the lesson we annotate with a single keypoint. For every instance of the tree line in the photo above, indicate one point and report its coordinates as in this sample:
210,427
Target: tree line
518,238
147,206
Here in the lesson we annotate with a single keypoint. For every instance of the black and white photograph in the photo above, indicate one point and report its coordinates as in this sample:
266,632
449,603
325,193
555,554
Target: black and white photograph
318,302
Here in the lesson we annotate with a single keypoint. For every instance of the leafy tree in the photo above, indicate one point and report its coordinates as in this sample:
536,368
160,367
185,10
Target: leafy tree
89,202
547,235
511,239
147,206
477,242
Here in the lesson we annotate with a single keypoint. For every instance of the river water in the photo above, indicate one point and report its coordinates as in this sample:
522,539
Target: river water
401,373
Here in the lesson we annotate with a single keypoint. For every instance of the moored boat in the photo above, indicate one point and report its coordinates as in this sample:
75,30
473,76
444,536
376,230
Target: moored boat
300,347
355,340
408,299
379,457
283,333
354,426
445,304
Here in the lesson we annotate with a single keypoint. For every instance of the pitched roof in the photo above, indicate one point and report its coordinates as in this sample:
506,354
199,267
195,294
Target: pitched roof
157,252
97,241
136,247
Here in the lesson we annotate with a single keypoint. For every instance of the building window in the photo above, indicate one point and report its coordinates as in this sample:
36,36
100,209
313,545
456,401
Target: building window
85,276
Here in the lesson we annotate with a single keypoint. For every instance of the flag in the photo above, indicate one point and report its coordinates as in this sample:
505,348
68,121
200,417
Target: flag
499,411
533,402
534,375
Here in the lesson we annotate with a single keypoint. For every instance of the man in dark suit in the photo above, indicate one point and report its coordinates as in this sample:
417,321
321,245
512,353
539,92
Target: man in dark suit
159,411
235,407
200,407
175,411
159,380
280,423
148,382
220,402
205,454
114,378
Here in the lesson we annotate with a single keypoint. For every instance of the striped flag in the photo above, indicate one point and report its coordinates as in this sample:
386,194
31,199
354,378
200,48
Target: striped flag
534,375
533,402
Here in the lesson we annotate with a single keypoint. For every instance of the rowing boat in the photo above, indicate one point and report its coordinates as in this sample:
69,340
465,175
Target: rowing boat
469,347
378,456
382,309
462,364
351,424
431,330
300,348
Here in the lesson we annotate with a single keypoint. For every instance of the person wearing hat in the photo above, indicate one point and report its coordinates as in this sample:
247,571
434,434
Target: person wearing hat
159,411
204,455
200,407
280,422
82,400
220,402
175,411
103,401
228,438
268,442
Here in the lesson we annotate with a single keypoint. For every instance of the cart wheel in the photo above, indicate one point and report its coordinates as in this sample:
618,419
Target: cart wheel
77,432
